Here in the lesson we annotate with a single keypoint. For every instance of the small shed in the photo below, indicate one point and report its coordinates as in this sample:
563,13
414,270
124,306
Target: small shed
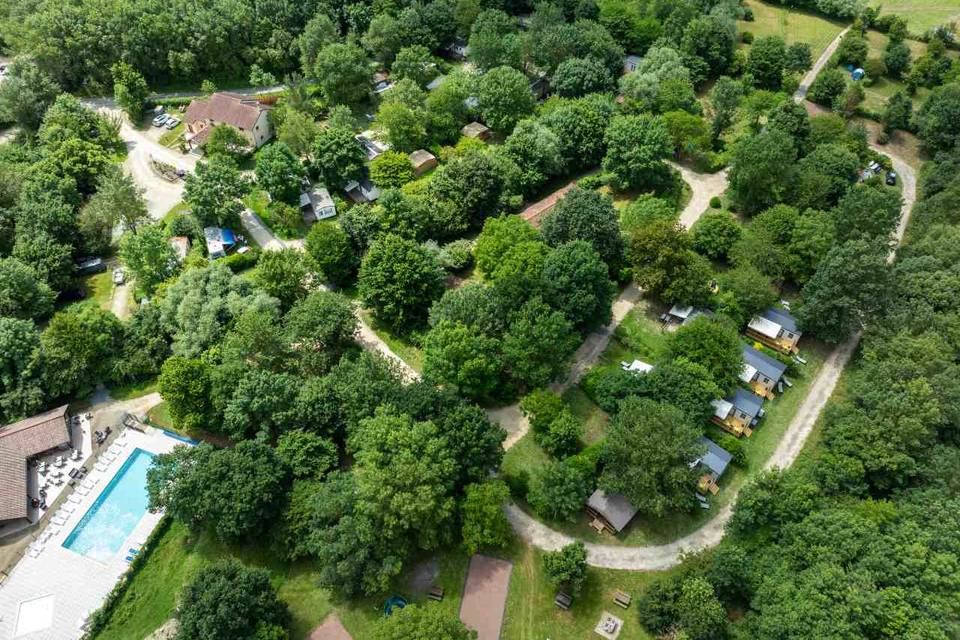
373,146
458,50
761,372
219,241
317,204
630,62
777,329
436,82
422,161
612,510
362,191
476,130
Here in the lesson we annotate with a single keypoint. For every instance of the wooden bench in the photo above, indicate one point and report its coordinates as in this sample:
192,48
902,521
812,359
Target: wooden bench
435,593
622,599
563,600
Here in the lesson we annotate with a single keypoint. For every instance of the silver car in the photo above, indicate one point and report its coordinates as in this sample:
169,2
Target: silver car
160,120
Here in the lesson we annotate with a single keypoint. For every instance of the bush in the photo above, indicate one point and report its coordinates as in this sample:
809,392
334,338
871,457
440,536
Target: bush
588,460
828,86
735,447
716,202
456,255
238,262
875,68
608,386
590,182
747,14
562,436
746,37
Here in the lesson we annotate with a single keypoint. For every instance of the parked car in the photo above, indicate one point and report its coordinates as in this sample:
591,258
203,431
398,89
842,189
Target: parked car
87,266
172,123
118,276
160,120
891,178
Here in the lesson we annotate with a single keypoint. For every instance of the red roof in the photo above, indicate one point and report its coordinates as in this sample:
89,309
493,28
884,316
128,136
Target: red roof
535,212
226,108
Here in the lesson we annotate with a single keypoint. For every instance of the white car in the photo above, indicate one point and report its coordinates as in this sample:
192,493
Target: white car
160,120
118,276
172,123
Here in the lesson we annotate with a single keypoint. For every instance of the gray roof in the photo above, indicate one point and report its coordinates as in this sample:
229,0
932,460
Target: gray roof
614,507
782,318
770,367
749,403
716,458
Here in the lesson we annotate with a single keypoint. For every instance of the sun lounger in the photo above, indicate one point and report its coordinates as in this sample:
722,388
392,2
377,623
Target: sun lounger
83,491
33,553
74,499
100,466
53,529
89,483
114,448
70,506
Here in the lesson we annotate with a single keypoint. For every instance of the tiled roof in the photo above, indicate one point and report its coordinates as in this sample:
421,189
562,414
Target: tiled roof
749,403
782,318
763,363
535,213
226,108
614,507
22,440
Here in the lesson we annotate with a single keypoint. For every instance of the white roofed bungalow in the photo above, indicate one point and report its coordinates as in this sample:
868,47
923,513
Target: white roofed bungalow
776,329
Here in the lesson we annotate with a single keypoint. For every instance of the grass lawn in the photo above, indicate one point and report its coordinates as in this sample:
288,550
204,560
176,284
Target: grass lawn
791,25
171,136
159,416
878,93
134,389
96,288
405,350
922,14
152,595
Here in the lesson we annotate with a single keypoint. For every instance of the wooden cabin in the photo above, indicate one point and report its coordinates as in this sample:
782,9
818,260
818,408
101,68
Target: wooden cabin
776,329
738,413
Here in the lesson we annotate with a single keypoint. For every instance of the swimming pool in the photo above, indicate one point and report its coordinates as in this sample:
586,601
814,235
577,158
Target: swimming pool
110,520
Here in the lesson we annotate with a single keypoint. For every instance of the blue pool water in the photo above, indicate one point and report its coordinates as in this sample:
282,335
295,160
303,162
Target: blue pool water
112,518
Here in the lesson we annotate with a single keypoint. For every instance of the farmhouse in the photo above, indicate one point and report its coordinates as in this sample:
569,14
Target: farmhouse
243,113
761,372
738,413
713,463
776,329
610,511
20,442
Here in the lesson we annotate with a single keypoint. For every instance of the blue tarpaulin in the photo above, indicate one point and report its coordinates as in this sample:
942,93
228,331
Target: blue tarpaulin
226,237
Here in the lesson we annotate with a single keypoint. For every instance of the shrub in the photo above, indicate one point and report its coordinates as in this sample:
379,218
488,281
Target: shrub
562,436
747,14
716,202
590,182
456,255
238,262
746,37
828,86
735,447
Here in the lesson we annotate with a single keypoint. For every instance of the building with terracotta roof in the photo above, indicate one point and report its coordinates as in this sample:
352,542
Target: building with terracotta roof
19,442
244,113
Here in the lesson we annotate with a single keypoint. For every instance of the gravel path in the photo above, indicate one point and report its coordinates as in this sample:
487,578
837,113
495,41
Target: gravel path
821,62
658,557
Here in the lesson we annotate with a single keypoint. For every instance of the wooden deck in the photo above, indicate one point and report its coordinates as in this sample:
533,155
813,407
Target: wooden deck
782,346
732,426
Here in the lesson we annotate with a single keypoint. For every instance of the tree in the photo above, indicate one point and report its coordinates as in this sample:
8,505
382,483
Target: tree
567,567
578,284
494,41
404,126
577,77
307,454
760,167
337,157
713,344
499,235
828,86
343,74
463,358
26,93
391,170
130,90
185,386
823,176
934,119
896,56
745,292
710,38
229,601
504,98
586,215
413,62
331,253
398,281
537,344
766,60
225,140
282,275
580,125
484,523
472,183
725,97
279,172
665,265
203,303
563,435
699,614
237,492
213,192
850,283
853,49
867,212
21,393
799,58
322,325
318,32
559,491
22,294
647,455
684,384
897,113
298,131
419,622
688,133
50,260
644,210
635,147
118,201
715,233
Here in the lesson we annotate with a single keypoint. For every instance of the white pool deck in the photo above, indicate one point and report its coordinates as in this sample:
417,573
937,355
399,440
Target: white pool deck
78,584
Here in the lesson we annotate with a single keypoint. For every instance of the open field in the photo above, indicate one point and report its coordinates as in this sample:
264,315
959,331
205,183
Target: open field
882,88
791,25
922,14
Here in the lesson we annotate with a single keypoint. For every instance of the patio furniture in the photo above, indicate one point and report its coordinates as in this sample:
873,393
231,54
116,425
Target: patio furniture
435,593
622,599
563,600
89,483
69,508
100,466
83,490
75,499
58,520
